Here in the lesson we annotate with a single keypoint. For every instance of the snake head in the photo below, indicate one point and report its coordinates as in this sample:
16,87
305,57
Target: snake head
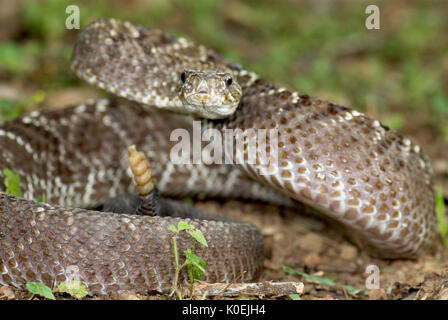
209,94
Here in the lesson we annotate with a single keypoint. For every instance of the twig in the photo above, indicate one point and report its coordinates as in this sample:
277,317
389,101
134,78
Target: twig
258,289
229,284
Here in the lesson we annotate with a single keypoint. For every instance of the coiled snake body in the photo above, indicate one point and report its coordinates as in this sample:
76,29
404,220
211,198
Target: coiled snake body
358,173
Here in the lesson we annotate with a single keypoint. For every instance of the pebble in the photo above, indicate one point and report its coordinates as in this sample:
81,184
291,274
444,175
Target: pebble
7,293
128,295
377,294
348,252
311,242
312,259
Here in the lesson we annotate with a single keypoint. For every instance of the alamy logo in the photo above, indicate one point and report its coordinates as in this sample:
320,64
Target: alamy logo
72,277
373,20
373,278
257,147
72,21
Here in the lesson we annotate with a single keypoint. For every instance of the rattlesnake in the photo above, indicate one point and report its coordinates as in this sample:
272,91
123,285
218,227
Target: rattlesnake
371,180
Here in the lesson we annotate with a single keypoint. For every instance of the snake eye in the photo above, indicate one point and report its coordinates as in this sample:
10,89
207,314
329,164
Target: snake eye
183,77
229,81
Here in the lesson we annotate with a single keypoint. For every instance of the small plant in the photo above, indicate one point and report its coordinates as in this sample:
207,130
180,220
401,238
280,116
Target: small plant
12,183
74,288
195,265
10,110
40,289
443,226
41,199
294,296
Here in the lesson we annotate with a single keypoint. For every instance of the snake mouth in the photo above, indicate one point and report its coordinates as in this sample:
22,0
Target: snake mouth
210,111
201,94
202,99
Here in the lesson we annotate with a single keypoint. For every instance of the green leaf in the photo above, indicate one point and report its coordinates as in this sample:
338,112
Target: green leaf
182,225
321,280
204,295
198,236
440,103
33,100
9,110
196,266
289,270
332,277
355,290
40,289
173,229
12,183
41,199
11,57
76,289
394,121
443,226
294,296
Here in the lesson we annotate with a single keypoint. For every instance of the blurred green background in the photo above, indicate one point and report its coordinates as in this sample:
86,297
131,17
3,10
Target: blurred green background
398,74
